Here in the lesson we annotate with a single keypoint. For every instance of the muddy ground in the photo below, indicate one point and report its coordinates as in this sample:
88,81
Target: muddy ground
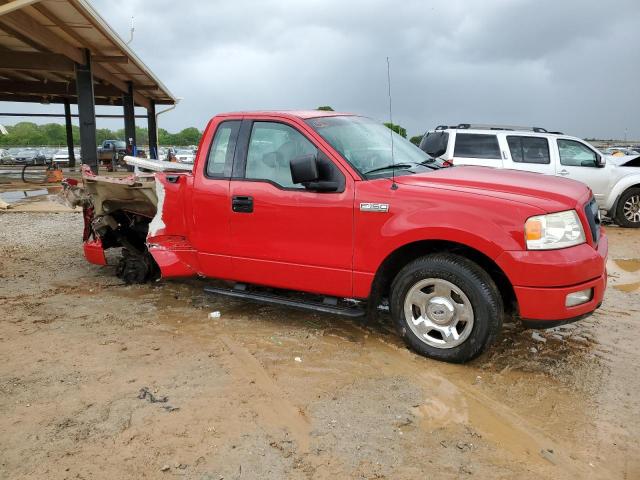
267,392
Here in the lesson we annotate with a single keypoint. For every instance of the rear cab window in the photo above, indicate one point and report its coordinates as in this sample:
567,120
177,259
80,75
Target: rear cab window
477,145
223,146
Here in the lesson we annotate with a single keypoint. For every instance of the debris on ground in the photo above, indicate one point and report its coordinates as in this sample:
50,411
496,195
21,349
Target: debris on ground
145,393
538,338
580,339
547,454
213,315
298,359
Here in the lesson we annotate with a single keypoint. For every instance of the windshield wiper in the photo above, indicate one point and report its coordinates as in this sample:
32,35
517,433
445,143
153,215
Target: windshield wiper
390,166
430,163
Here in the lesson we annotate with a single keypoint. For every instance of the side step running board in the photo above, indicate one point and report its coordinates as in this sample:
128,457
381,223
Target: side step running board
330,305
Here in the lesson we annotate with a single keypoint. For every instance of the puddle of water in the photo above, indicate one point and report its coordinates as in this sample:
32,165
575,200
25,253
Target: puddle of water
625,273
628,287
628,265
16,196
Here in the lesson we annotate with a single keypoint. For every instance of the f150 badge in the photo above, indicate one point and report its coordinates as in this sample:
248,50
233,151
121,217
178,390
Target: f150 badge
374,207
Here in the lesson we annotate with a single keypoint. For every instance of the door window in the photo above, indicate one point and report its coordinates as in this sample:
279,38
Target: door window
271,147
222,149
529,149
576,154
471,145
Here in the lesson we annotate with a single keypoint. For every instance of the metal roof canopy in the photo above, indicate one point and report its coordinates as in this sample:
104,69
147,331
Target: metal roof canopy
62,51
41,41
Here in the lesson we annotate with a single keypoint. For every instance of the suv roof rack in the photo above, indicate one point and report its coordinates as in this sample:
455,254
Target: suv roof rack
478,126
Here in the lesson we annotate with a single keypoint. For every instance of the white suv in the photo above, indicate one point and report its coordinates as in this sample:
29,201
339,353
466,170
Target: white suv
615,181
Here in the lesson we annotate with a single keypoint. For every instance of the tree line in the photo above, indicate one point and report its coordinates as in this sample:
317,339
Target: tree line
26,134
396,128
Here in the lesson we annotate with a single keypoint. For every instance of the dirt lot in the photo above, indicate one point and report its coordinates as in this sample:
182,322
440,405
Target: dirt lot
267,392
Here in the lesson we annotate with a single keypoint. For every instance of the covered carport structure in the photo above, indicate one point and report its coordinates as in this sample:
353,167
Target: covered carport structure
63,52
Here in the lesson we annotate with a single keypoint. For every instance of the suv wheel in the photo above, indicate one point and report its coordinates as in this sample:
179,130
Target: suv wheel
628,209
446,307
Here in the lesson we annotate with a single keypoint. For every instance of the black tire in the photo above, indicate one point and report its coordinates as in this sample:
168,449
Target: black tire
620,217
136,268
469,278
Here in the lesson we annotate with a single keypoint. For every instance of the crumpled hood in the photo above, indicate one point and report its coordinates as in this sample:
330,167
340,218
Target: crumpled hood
622,160
551,194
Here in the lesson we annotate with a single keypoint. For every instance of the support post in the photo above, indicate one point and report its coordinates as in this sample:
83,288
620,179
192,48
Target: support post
152,128
69,128
87,113
129,120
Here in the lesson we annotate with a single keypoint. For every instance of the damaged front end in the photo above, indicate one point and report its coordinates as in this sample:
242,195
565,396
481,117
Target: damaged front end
117,213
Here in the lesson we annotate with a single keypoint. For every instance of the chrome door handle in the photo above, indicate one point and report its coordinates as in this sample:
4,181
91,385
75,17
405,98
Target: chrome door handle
563,172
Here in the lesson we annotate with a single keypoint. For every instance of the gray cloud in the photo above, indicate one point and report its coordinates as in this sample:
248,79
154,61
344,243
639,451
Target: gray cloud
569,65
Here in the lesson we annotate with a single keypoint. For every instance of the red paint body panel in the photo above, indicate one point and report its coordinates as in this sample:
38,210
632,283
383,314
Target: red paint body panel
548,304
323,243
294,239
555,268
93,252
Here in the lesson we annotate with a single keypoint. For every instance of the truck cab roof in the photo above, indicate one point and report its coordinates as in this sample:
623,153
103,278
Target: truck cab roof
301,114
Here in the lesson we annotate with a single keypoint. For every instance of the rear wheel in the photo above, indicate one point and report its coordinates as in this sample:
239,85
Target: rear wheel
446,307
136,268
628,209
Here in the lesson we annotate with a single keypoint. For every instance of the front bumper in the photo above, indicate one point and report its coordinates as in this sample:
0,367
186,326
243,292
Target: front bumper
542,281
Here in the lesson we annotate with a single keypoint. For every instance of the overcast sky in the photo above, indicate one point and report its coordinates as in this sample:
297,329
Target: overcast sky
570,66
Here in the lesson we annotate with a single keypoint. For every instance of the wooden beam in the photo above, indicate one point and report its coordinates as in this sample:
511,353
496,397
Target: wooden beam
19,36
110,59
7,97
15,5
27,26
51,62
53,88
48,40
98,70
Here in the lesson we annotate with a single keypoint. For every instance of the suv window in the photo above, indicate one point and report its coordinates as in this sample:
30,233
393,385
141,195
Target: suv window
471,145
222,149
271,147
529,149
435,143
576,154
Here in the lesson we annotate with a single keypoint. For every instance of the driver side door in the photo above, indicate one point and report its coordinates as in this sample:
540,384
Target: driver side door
282,234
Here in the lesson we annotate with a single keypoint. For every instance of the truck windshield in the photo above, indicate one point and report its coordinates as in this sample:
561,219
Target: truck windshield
366,145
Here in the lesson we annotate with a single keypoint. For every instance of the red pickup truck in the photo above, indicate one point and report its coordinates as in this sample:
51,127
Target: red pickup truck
340,208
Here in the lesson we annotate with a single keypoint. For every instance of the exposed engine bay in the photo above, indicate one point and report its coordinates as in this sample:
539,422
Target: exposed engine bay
117,213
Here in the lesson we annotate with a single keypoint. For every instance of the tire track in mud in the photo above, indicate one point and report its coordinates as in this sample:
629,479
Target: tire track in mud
454,401
279,412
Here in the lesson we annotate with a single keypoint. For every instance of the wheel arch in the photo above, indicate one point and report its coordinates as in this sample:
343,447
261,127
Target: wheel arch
621,191
396,260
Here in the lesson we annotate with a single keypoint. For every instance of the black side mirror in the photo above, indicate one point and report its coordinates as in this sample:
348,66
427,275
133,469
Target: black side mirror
304,170
600,161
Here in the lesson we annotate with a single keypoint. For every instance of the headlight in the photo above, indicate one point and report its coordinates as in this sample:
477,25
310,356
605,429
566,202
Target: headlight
556,230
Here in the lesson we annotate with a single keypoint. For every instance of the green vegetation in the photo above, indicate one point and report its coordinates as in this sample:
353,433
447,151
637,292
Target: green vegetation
397,128
416,139
53,134
325,108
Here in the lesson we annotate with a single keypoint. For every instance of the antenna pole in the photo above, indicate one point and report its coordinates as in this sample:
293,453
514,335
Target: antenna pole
394,186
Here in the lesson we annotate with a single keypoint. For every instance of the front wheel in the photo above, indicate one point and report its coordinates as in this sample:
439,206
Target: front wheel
446,307
628,209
